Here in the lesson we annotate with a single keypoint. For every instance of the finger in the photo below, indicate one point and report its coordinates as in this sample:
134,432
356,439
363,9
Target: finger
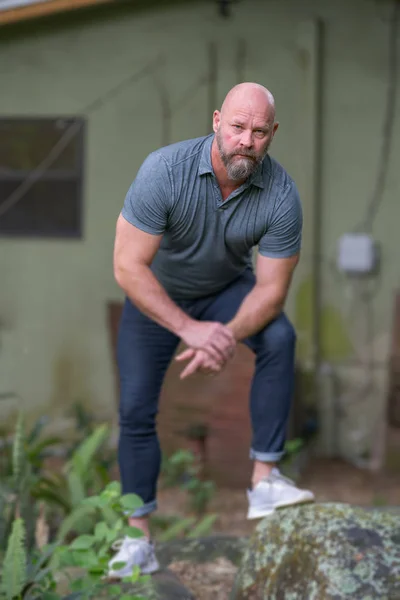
225,338
221,351
226,332
210,372
211,367
229,344
192,367
186,354
214,351
208,365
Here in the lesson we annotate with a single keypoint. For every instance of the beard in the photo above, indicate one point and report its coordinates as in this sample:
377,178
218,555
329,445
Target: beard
240,165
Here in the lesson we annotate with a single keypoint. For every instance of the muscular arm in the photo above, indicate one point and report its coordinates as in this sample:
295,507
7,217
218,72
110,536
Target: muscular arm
259,307
266,300
134,251
278,256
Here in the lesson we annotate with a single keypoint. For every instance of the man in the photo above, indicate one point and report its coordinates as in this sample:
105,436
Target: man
183,256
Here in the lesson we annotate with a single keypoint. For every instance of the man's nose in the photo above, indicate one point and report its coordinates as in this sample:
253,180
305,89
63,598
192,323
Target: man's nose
246,139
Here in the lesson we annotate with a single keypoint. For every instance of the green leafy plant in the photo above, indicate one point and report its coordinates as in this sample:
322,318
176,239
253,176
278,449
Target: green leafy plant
85,425
91,551
78,479
181,470
16,498
26,482
40,576
293,447
14,565
200,493
26,575
189,527
292,459
37,446
177,468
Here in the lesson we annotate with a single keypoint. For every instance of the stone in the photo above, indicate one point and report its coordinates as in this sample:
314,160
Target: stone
165,585
200,550
322,552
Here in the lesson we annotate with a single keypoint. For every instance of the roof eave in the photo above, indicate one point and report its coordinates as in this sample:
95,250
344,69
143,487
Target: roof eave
13,11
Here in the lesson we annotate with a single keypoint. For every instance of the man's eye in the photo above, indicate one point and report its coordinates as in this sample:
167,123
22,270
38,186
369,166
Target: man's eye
237,127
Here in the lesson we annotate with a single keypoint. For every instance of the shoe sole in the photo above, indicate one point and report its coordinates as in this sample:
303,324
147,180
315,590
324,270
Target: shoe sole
265,512
153,568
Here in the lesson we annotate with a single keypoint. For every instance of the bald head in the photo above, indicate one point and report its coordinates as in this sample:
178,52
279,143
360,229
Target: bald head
251,96
244,129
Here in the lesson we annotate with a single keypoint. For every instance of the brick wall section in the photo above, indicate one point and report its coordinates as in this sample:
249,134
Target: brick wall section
220,404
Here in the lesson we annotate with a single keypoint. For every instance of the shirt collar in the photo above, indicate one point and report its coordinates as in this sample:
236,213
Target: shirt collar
257,177
205,165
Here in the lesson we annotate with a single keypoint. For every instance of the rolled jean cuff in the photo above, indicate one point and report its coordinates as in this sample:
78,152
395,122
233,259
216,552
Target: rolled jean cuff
144,510
266,456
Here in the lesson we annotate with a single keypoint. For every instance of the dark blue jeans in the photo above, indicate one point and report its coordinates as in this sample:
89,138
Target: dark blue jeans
145,350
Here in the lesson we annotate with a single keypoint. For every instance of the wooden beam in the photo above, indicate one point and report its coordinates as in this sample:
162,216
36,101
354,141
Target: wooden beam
42,9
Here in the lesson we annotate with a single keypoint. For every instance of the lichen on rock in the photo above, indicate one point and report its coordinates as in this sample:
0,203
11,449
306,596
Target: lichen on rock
322,552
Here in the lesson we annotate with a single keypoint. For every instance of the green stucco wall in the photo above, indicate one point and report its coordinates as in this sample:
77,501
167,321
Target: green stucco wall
54,340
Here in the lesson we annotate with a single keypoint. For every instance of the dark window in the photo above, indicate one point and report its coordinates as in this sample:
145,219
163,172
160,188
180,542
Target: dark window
52,204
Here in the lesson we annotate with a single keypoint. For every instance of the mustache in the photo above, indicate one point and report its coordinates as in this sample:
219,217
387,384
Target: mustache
247,153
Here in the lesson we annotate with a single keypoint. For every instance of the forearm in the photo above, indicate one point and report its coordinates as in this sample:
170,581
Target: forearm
260,306
143,289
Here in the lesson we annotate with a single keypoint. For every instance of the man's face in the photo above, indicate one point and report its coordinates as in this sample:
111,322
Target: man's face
243,137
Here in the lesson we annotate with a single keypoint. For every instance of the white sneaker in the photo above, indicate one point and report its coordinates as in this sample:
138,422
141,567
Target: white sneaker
133,551
274,492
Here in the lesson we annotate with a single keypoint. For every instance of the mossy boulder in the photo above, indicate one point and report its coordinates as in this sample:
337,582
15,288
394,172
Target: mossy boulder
322,552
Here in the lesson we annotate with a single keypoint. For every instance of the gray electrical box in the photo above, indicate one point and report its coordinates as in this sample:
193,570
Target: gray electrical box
357,254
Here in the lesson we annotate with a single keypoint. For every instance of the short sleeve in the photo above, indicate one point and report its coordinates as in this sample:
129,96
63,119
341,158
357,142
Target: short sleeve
283,236
149,198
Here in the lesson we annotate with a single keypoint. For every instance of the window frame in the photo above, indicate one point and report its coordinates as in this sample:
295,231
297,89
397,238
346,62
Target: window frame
77,174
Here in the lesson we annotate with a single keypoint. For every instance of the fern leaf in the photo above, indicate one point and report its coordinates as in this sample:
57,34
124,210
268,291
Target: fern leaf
18,452
14,566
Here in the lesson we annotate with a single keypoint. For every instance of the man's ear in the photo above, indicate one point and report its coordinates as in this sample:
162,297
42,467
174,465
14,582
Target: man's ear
275,127
216,120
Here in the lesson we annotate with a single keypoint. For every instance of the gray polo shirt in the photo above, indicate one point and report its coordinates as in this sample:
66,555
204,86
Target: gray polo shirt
208,242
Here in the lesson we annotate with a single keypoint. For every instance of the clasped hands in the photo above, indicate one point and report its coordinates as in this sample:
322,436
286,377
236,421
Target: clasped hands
210,346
